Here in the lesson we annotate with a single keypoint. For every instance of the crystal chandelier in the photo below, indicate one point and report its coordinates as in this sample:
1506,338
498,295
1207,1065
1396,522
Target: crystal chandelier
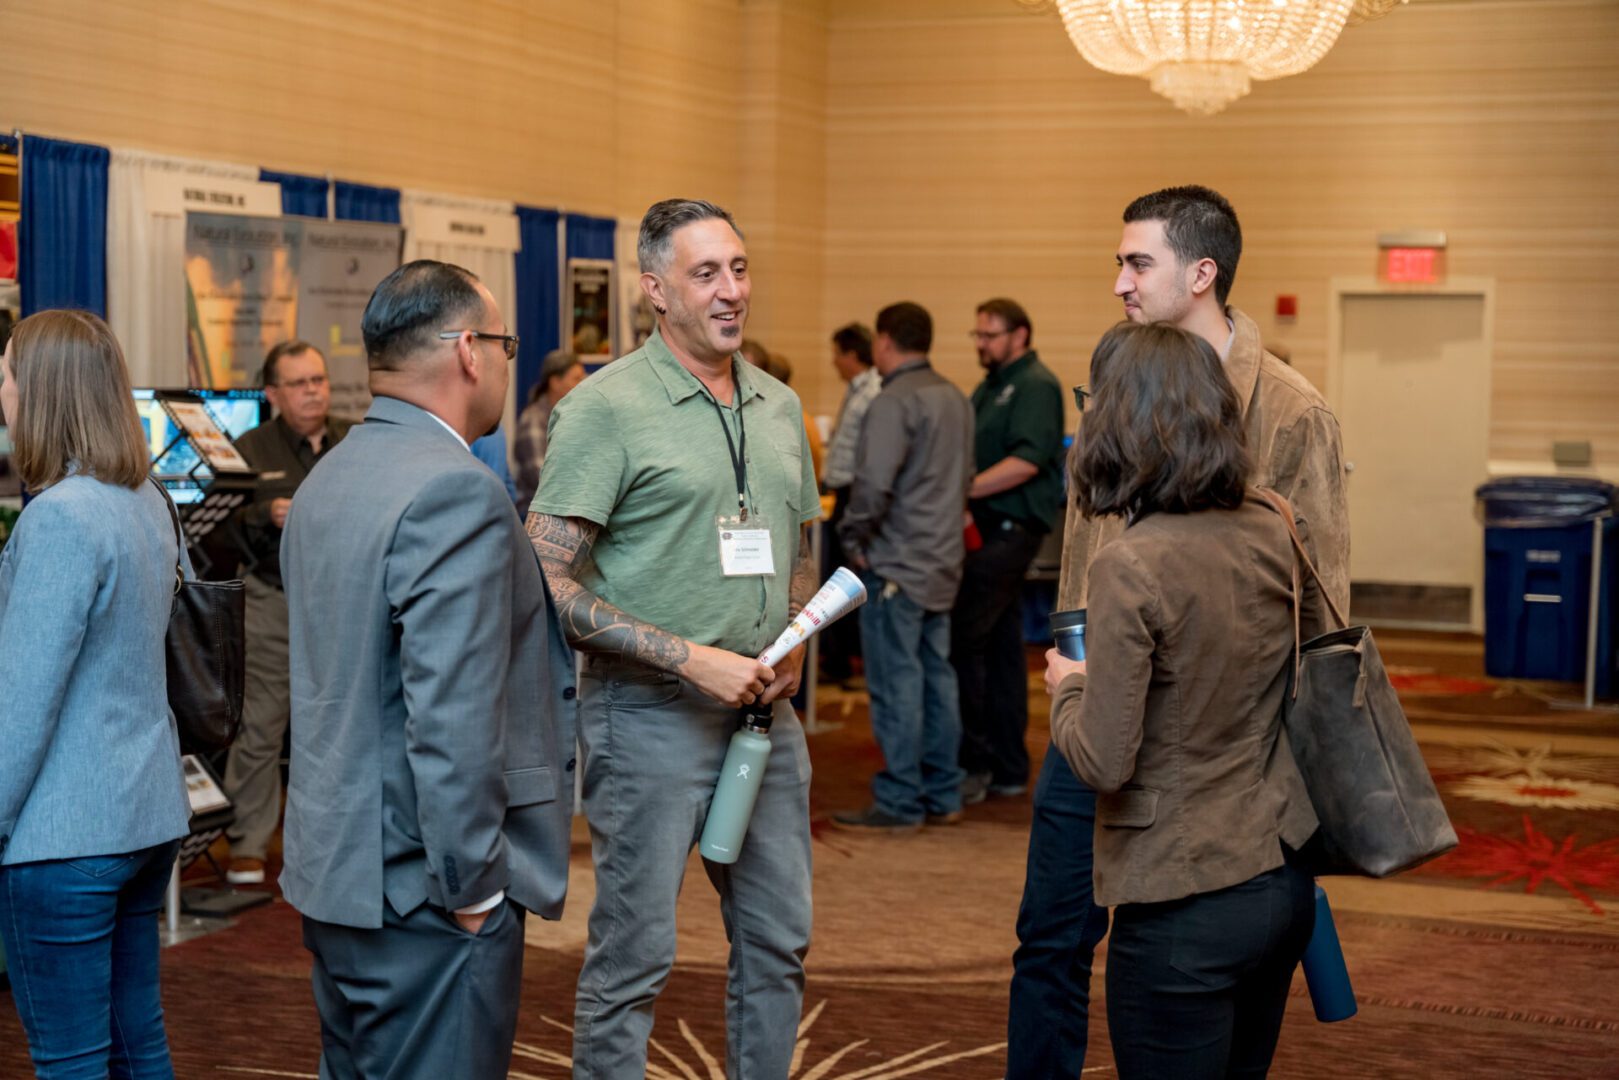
1201,54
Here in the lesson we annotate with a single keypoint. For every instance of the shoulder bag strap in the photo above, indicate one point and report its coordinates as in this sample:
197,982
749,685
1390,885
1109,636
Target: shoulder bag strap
1285,509
179,538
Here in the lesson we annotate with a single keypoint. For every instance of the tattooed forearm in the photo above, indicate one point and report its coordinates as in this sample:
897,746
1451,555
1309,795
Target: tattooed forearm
589,622
803,585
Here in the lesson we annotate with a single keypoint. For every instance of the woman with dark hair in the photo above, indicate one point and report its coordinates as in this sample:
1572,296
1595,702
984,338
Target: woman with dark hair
559,372
92,800
1179,729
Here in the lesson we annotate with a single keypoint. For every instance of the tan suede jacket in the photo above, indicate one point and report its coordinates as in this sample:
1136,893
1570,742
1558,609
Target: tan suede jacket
1178,723
1297,451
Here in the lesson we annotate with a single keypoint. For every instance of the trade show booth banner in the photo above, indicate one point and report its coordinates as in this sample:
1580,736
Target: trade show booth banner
251,282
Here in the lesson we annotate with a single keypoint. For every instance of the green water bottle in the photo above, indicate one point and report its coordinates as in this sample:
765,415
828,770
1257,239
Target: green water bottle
740,777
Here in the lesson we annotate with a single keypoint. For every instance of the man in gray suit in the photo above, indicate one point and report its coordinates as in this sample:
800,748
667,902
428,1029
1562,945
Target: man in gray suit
432,705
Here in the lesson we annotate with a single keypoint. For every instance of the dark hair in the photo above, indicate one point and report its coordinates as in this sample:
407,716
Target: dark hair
557,362
1199,224
856,339
1011,313
754,352
908,326
1163,430
267,374
663,219
780,368
411,306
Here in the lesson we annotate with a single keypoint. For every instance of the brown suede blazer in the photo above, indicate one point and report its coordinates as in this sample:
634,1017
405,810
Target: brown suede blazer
1178,721
1297,451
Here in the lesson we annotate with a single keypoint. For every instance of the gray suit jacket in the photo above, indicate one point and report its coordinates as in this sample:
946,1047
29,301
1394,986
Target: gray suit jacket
432,692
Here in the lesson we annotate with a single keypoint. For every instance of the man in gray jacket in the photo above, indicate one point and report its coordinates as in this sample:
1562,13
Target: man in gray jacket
903,531
432,705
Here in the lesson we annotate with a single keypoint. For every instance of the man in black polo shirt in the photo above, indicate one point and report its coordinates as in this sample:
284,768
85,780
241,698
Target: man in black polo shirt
1015,500
282,451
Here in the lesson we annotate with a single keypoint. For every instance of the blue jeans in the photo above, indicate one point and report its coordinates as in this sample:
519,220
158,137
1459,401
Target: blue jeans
915,708
81,942
1058,928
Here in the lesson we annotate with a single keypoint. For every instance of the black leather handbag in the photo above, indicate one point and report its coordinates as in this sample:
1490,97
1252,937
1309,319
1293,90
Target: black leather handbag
207,655
1379,810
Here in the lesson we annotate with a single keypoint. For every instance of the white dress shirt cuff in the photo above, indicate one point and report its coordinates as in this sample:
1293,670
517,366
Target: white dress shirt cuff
488,905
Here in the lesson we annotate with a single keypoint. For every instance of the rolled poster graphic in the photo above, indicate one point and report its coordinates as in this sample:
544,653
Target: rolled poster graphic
841,594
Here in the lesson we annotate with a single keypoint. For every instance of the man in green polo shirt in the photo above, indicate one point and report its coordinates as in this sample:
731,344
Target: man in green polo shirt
1016,498
671,521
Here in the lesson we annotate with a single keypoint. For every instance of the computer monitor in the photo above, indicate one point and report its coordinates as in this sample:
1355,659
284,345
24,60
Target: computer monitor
234,412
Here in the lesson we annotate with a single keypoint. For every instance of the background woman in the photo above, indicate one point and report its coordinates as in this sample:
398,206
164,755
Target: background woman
559,372
92,800
1178,727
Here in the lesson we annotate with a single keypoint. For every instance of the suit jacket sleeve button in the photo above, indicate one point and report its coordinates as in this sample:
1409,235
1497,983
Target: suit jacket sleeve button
569,694
570,764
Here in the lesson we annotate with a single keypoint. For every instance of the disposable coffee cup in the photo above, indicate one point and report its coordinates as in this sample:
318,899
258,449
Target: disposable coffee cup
1068,633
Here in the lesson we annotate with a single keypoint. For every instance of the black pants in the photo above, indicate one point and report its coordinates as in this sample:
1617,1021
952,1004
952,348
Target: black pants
1196,988
1058,927
840,642
986,648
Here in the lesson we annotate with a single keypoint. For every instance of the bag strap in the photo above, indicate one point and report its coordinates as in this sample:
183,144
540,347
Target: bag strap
1285,509
179,539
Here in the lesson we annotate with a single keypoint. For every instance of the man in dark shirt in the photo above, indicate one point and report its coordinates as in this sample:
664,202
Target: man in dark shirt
282,451
1014,501
902,530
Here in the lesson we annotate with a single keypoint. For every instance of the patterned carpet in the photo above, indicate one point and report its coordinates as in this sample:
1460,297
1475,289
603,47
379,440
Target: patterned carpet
1499,960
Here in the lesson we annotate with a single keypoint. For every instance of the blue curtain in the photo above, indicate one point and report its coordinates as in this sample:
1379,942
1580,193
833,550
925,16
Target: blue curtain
8,144
361,202
539,295
62,237
304,196
590,237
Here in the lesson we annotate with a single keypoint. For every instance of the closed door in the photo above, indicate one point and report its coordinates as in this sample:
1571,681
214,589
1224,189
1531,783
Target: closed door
1415,411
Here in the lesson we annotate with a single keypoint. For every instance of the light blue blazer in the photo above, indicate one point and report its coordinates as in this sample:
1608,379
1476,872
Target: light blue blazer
89,755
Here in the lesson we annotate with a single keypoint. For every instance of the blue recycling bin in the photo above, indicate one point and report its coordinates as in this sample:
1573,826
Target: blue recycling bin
1538,549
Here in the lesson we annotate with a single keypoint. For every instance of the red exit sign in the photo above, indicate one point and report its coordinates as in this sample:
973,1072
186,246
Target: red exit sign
1413,265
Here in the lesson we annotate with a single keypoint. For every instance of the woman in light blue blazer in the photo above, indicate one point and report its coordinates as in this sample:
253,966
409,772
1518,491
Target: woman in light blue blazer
92,800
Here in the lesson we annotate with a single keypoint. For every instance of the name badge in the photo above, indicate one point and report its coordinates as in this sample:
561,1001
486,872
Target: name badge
278,474
746,552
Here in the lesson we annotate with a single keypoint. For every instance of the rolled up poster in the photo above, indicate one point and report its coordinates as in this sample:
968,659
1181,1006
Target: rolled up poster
841,594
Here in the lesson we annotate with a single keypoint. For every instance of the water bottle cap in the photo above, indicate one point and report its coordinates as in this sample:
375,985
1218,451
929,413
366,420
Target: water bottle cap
758,718
1067,620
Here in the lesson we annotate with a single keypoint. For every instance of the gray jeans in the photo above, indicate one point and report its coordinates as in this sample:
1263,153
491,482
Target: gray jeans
253,769
652,750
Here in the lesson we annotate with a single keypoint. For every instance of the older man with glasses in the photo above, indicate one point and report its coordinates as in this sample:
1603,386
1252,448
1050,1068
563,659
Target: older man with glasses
1015,500
282,451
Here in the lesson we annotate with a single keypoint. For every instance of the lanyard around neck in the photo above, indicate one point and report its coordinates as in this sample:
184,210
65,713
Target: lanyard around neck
739,454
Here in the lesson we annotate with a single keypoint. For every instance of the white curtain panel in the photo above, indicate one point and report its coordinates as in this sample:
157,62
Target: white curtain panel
146,301
491,261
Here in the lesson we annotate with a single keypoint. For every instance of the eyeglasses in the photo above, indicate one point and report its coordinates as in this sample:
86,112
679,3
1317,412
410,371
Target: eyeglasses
1081,392
986,335
508,341
311,382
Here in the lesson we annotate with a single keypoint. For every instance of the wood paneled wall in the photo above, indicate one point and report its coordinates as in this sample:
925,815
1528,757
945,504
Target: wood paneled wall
937,150
971,152
594,105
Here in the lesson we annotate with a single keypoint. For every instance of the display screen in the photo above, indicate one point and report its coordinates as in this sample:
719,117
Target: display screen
235,412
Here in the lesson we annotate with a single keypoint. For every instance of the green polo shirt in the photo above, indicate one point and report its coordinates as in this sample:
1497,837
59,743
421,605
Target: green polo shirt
637,448
1018,413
